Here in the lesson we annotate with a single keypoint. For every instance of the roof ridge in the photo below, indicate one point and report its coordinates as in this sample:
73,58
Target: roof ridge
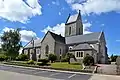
74,18
27,43
84,46
91,33
55,34
57,37
86,34
83,38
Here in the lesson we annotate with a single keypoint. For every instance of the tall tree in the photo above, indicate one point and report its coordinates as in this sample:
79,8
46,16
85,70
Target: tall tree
11,42
113,58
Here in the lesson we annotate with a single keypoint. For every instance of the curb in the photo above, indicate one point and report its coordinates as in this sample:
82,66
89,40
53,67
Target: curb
60,71
53,70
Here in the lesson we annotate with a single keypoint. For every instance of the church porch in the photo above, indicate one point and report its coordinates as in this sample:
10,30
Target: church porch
80,54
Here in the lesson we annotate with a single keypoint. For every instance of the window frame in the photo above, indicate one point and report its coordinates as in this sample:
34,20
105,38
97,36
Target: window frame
79,31
60,51
37,51
26,51
78,54
46,49
70,30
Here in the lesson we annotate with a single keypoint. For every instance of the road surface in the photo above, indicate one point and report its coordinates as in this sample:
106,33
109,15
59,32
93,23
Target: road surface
15,73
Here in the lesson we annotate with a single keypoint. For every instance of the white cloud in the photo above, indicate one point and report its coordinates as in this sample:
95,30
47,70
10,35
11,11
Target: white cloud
48,4
0,43
19,10
86,27
60,28
26,35
6,29
62,8
56,2
53,2
23,27
59,13
118,40
102,24
74,1
95,6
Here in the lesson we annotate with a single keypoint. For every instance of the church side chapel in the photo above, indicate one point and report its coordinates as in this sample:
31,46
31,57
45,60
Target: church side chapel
74,42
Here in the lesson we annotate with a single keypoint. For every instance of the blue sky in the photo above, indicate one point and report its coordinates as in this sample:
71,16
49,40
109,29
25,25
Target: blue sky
36,17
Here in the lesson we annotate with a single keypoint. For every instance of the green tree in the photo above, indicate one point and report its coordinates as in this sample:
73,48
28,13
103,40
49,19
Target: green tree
88,60
113,58
11,42
52,57
70,55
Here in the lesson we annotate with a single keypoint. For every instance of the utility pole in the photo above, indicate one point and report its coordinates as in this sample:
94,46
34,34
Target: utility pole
32,42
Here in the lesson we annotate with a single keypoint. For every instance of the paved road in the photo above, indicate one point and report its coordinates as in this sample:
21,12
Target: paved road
14,73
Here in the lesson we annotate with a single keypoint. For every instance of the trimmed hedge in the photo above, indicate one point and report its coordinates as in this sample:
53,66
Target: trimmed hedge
30,62
41,64
22,57
43,61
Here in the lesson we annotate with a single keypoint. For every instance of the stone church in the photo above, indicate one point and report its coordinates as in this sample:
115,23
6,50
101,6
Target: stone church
74,42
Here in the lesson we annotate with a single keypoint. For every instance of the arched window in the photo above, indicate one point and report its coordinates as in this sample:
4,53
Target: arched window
69,30
60,51
79,31
47,49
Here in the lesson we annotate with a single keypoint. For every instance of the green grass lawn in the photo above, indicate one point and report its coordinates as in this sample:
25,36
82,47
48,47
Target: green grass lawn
62,65
65,65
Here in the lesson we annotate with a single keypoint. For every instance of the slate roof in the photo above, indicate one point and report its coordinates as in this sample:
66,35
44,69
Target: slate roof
83,38
84,46
57,37
72,18
37,43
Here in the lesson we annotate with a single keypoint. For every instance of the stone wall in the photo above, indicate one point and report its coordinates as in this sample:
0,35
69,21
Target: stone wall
48,40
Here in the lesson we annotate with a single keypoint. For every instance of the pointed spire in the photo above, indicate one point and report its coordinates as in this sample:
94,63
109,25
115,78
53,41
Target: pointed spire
79,11
79,14
69,14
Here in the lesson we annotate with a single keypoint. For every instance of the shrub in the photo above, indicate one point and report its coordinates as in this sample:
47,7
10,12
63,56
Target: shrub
6,58
3,58
88,60
30,62
44,61
52,57
22,57
70,55
42,64
64,59
39,63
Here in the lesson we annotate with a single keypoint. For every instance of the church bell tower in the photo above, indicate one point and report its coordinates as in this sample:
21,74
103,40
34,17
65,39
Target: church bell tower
73,25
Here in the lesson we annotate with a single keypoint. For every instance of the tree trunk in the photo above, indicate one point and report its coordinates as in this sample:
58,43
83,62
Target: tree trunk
69,61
